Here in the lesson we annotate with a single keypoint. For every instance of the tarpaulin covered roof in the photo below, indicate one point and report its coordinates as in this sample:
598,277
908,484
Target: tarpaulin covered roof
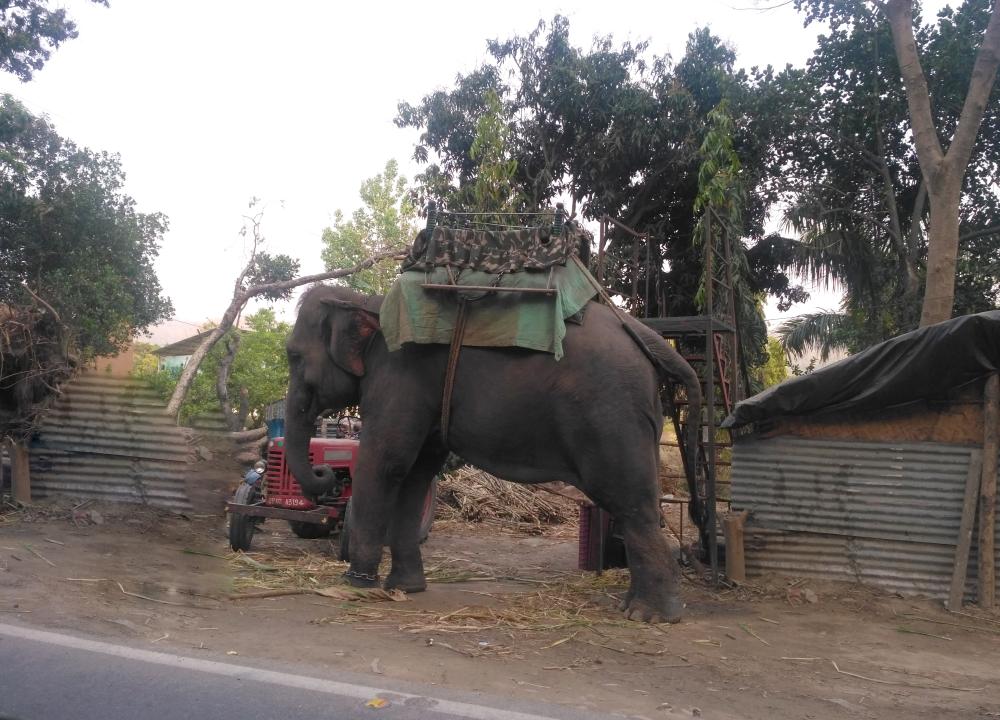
921,365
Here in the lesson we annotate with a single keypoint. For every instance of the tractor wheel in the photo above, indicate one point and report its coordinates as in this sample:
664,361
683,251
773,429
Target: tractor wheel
345,535
427,514
310,531
242,527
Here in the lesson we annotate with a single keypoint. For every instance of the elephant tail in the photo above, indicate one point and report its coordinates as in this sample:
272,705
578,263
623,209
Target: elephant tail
674,369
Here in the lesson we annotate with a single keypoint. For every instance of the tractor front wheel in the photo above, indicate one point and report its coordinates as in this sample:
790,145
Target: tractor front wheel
344,551
242,527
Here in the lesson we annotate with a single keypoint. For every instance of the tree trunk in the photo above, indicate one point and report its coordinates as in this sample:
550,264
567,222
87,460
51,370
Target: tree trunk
222,383
20,471
191,369
942,256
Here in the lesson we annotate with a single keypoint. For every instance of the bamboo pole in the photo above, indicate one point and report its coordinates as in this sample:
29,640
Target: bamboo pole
961,566
20,472
988,492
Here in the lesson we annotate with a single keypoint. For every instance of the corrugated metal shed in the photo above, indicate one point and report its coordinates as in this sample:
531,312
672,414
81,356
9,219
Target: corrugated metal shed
109,438
883,513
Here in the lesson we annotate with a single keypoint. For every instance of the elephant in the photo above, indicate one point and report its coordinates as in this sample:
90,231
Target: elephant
515,413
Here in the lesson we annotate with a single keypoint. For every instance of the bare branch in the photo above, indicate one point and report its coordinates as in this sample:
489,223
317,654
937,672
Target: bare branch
42,301
320,277
240,299
992,230
899,13
984,73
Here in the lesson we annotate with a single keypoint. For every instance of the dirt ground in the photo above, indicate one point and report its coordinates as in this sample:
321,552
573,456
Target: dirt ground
506,614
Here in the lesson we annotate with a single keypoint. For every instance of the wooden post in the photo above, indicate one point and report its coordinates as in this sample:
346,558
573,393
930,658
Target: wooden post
988,492
961,566
20,474
732,528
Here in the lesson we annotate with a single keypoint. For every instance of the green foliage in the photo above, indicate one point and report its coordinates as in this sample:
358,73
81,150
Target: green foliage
616,130
775,370
384,222
144,362
493,191
29,31
826,331
72,234
260,366
720,200
269,268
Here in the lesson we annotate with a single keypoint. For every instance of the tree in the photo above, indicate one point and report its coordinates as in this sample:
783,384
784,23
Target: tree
29,31
617,131
385,223
77,260
943,171
72,234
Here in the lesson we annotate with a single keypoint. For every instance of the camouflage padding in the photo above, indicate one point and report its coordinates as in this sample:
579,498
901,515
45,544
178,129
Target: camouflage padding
494,251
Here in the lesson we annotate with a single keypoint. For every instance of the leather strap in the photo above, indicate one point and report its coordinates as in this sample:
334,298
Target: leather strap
449,376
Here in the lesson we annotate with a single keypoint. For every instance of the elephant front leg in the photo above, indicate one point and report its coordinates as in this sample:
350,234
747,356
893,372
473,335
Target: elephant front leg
374,492
407,572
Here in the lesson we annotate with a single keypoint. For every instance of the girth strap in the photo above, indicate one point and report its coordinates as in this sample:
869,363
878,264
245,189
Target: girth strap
449,375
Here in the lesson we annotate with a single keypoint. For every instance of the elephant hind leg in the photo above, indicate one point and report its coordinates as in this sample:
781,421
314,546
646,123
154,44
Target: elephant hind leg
407,571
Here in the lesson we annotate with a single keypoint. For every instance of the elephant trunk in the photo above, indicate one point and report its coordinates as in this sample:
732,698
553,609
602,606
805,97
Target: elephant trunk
299,427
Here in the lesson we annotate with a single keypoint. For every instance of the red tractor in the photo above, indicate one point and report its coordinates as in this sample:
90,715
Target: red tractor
276,494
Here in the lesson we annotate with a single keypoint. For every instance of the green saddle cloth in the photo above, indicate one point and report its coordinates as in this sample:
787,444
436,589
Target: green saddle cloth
411,314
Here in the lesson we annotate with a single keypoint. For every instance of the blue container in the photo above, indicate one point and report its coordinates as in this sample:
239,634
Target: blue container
275,428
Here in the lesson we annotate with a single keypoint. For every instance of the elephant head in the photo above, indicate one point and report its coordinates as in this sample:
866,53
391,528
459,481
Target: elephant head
326,362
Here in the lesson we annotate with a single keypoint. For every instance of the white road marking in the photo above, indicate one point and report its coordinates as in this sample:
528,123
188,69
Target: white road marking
332,687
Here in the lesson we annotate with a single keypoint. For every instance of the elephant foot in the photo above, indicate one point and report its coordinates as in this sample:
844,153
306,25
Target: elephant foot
407,582
361,580
668,611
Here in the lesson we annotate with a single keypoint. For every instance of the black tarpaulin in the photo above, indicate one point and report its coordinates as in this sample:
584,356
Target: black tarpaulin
921,365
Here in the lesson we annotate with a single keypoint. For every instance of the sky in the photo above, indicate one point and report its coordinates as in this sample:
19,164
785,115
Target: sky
211,104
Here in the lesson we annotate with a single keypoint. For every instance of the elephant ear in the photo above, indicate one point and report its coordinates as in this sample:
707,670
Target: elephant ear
353,327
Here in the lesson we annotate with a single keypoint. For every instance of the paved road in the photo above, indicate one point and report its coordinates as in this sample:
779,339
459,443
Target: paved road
51,675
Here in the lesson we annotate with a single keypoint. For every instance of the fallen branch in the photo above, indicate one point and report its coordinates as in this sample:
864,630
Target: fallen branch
931,686
431,642
151,599
945,622
746,628
908,631
37,554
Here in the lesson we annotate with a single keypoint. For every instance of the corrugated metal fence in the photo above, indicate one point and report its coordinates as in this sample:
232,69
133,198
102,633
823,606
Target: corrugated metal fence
108,438
885,513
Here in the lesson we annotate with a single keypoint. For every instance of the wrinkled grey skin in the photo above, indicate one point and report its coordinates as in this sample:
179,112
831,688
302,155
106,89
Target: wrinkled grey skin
592,420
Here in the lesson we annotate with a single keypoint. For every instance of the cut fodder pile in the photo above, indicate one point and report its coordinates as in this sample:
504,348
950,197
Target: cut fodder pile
570,603
472,495
290,570
285,570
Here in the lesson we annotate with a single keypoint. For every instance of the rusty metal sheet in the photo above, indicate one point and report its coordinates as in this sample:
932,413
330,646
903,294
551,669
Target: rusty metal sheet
886,514
109,439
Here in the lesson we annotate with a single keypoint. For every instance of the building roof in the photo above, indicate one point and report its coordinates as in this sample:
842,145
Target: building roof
926,364
184,347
